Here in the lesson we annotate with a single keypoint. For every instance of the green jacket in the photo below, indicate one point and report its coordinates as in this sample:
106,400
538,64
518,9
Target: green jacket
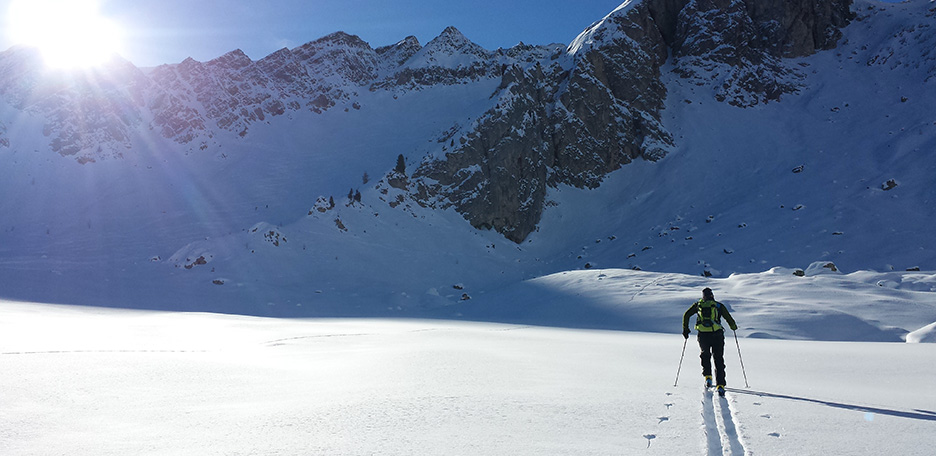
708,316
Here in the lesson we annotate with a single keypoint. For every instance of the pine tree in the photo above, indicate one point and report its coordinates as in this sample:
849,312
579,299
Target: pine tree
400,164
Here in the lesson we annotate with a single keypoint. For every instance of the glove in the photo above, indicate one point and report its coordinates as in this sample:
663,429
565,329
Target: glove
733,327
685,333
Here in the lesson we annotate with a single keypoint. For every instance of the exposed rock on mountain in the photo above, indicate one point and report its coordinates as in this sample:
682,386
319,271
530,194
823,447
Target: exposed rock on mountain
88,115
573,120
913,45
739,44
397,54
4,141
558,116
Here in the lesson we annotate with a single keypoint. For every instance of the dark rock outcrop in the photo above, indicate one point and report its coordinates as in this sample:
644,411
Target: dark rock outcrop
737,46
574,119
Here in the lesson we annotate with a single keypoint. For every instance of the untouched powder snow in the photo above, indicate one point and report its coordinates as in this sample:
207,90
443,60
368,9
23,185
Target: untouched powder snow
87,381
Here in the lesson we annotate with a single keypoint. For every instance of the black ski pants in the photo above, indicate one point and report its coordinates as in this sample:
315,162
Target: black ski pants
713,345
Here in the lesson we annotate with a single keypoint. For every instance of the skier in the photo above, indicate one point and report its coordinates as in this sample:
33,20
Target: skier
709,313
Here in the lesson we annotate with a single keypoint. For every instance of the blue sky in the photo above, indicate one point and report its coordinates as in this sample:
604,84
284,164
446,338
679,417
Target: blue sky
168,31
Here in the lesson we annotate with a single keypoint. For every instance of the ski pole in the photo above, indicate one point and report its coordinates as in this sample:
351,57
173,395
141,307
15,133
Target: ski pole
741,359
680,360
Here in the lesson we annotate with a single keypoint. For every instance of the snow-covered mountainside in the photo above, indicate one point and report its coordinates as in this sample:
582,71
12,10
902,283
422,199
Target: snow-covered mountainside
335,178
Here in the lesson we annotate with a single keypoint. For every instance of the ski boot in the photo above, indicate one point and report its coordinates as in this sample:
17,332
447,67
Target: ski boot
708,382
721,390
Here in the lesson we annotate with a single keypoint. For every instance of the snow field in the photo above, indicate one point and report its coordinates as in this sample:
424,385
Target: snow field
862,306
93,381
781,184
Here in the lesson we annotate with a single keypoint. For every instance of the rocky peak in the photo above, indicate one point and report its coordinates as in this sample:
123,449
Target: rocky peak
278,59
285,71
522,52
186,69
451,49
453,37
604,30
235,60
448,59
346,56
331,45
341,39
397,54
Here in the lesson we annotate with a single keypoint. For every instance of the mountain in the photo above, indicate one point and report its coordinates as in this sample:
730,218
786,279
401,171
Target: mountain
598,107
702,137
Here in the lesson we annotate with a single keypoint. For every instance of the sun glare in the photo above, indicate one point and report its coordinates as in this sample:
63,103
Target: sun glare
69,33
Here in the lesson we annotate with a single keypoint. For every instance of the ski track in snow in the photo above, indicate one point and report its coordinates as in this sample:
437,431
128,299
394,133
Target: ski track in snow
721,431
712,436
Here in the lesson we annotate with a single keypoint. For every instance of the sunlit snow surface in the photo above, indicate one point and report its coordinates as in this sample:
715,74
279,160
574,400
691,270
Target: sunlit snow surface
86,381
507,348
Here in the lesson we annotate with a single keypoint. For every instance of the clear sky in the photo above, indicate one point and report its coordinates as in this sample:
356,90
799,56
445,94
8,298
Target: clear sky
168,31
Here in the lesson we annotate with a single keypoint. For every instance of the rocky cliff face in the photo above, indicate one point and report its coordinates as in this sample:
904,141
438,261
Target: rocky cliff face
560,115
568,120
573,119
738,46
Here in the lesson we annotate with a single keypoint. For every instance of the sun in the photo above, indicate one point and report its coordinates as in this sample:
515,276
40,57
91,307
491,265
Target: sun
69,33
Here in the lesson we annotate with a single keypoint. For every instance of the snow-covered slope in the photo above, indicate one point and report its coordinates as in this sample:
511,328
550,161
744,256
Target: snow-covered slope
195,215
777,304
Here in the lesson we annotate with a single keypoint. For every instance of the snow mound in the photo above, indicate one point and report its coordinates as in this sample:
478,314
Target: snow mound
193,254
822,267
926,334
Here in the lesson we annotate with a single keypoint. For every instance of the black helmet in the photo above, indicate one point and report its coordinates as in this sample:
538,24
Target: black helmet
707,294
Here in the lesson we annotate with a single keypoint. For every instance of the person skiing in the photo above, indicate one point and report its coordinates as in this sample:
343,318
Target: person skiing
709,313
